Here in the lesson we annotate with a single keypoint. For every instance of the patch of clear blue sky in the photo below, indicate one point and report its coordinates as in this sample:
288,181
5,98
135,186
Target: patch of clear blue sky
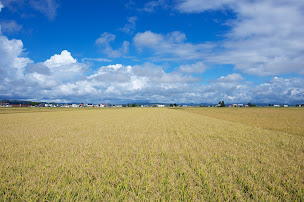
78,24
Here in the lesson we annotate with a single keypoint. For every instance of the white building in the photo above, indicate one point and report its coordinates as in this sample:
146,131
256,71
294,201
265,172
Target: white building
102,105
74,105
237,105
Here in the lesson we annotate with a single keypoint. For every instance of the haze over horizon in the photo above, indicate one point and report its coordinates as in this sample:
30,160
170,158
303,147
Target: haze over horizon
168,51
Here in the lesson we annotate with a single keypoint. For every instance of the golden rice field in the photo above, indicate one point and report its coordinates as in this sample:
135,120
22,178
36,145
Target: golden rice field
140,154
289,120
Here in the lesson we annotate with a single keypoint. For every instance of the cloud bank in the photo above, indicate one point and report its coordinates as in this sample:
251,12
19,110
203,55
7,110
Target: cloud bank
266,38
62,78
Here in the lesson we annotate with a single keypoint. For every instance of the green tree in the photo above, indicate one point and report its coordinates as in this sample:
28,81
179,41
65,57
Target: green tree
251,105
222,103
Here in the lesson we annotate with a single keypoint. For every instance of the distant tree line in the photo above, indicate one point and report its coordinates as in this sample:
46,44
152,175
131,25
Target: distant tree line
222,103
251,105
32,103
132,105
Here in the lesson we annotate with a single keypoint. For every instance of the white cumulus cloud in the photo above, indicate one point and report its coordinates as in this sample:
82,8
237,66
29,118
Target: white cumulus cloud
63,78
266,38
198,67
12,63
171,46
57,60
1,6
235,77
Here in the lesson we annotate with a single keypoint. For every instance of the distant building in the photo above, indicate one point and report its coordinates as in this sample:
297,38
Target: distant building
237,105
276,105
75,105
285,105
5,104
20,104
102,105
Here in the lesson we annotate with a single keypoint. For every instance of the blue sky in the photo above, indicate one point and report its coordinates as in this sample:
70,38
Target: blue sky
173,51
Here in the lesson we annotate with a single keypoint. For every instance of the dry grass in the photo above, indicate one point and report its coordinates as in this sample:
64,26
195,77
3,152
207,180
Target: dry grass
145,154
